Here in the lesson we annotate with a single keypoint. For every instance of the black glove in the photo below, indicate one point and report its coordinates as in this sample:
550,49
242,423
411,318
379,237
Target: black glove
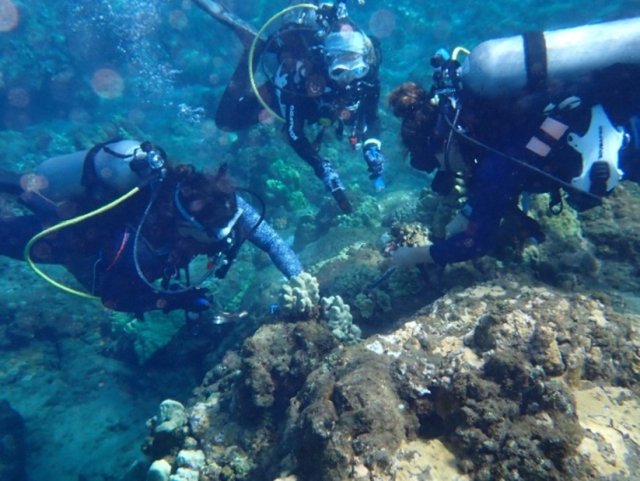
191,300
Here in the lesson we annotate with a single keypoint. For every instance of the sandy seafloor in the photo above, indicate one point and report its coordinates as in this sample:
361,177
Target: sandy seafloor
84,384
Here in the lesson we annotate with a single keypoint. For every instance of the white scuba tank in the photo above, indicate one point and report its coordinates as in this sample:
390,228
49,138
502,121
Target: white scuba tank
507,66
113,165
60,178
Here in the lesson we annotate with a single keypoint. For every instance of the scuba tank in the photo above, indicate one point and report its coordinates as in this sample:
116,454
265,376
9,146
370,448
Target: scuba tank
511,65
121,165
116,166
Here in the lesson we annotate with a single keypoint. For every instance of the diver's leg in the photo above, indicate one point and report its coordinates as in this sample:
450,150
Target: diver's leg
239,108
245,32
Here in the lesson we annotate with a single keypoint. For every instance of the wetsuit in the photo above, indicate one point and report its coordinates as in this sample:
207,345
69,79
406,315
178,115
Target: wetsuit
511,125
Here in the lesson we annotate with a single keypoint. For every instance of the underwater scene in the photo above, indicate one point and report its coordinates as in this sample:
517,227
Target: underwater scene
323,241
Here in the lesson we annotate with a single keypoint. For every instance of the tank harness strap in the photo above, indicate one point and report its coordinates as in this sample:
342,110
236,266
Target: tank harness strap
535,58
95,187
89,176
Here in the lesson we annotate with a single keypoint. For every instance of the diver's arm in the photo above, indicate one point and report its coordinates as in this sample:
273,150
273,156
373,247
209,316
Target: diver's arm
139,300
496,188
294,128
268,240
369,134
369,108
494,191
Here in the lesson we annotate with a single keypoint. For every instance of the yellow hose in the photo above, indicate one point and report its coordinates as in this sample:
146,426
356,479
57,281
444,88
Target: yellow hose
254,44
457,51
62,225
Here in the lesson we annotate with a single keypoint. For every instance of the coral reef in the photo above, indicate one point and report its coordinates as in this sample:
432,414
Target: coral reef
502,375
169,428
237,411
340,320
299,297
498,380
409,234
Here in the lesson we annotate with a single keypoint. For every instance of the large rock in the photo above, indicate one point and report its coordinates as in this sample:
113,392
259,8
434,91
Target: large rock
498,378
12,444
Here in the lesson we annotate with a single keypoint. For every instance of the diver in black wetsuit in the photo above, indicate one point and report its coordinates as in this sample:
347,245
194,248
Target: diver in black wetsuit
135,255
325,71
575,136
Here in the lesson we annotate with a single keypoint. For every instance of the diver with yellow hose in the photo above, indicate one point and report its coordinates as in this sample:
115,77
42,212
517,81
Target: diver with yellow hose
320,69
127,224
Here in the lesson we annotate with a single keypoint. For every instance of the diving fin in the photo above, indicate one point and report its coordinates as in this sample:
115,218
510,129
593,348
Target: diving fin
245,32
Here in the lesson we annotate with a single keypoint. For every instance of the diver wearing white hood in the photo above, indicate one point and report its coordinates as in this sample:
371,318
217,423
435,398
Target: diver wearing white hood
321,69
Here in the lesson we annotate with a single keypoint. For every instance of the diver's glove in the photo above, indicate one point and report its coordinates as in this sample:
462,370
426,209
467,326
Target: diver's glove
375,162
191,300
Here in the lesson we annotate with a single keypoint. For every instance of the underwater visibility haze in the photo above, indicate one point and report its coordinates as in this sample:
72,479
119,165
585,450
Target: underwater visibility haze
314,356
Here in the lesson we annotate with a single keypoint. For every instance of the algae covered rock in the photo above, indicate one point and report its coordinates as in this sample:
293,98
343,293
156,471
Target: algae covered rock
13,449
160,470
276,361
169,428
499,378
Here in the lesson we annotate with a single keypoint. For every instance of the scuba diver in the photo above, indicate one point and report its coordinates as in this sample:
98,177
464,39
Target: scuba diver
321,69
127,224
548,112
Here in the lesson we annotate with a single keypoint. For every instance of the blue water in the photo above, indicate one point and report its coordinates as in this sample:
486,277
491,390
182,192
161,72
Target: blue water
73,73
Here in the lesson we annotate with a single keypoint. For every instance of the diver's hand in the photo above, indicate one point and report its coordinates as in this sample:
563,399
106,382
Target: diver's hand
191,300
405,257
375,161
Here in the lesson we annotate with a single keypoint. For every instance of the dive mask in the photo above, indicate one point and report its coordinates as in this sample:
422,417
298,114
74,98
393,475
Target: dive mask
348,67
345,54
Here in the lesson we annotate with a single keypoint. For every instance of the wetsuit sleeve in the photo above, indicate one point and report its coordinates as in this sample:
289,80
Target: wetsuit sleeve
294,115
495,190
268,240
371,120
